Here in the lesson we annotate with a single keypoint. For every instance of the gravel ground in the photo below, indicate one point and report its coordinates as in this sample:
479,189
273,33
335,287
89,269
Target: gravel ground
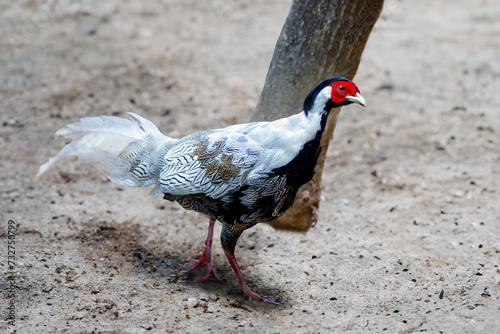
408,235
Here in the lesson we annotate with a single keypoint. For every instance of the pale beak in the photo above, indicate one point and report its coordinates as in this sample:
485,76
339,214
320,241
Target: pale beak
356,99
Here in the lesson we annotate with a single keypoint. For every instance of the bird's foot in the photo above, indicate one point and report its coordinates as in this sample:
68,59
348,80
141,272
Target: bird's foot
243,285
206,256
205,262
252,295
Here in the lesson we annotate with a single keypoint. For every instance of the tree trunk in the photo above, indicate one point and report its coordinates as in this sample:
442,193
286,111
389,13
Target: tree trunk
320,39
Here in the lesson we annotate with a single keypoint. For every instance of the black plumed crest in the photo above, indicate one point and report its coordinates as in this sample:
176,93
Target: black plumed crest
309,101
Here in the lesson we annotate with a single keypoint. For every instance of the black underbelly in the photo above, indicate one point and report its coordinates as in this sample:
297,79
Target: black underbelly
232,210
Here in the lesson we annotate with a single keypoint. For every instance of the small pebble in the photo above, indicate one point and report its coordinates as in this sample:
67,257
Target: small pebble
486,293
192,302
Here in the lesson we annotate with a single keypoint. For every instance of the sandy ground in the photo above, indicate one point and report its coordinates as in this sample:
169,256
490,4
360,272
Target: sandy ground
408,236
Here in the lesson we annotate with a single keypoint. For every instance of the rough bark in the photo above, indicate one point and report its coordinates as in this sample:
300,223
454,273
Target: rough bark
320,39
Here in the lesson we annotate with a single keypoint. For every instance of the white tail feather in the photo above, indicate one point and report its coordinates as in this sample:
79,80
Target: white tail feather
127,151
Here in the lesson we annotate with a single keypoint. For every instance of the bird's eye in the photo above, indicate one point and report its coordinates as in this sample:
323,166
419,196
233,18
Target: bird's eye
341,88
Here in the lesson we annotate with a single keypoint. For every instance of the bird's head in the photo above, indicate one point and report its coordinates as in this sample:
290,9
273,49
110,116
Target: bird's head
333,93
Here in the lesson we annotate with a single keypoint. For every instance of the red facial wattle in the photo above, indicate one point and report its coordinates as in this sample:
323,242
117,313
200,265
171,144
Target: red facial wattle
345,92
342,89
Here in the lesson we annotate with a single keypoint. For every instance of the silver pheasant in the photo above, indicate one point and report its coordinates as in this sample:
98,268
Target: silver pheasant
240,175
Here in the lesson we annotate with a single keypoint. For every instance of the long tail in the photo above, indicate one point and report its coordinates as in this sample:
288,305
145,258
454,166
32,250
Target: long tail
128,151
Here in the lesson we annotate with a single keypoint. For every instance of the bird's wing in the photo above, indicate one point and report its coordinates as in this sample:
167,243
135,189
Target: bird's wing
213,163
218,162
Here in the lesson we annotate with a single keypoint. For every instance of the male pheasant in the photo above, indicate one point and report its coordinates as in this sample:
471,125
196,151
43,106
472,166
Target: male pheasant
240,175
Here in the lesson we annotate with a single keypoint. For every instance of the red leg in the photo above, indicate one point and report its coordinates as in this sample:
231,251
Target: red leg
228,241
243,285
206,256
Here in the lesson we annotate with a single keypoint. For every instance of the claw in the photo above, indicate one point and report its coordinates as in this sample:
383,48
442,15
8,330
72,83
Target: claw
252,295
